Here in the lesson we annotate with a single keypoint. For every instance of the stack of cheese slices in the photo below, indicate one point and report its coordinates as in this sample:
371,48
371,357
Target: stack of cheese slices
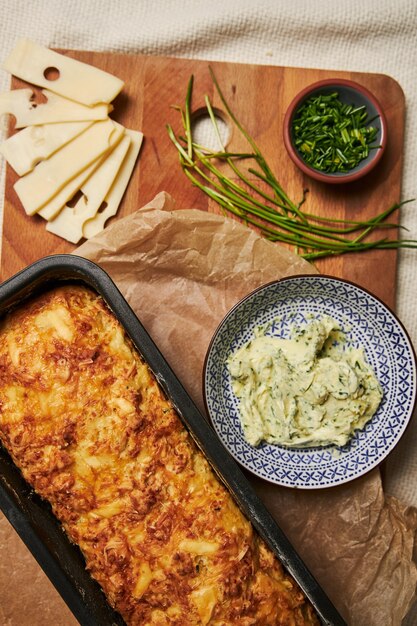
74,161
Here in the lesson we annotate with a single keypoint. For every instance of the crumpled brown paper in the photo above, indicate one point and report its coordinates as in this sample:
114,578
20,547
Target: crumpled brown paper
181,271
27,598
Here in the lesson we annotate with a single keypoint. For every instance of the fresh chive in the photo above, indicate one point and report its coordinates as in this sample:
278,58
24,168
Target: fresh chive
271,210
324,123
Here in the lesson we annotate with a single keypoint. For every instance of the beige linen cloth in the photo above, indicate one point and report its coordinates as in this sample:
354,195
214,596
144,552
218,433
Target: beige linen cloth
358,35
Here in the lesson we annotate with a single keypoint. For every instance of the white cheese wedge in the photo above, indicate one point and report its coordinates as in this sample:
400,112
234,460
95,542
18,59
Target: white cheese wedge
49,177
33,144
70,220
79,81
115,194
19,103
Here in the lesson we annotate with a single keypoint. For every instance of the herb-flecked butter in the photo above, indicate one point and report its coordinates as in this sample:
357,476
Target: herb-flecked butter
304,391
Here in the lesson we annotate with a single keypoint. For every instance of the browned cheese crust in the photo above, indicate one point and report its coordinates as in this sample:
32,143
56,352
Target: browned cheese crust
89,427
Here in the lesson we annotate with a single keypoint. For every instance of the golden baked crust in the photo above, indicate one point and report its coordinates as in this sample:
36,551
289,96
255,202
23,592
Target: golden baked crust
90,429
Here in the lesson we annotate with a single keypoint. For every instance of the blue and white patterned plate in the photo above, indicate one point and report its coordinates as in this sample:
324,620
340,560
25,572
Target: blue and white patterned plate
366,322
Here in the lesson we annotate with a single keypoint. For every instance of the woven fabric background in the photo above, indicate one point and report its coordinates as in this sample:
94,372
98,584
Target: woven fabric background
362,35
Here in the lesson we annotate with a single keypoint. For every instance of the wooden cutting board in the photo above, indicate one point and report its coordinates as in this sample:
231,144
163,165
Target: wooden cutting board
259,96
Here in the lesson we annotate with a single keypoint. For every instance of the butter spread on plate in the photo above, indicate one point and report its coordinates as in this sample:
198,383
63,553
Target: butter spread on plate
310,390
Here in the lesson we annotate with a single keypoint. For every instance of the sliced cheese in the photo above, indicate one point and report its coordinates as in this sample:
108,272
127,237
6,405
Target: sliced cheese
19,103
78,81
33,144
51,209
49,177
115,194
70,220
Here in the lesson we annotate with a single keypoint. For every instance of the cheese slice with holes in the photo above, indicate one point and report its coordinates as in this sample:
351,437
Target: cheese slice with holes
70,220
47,179
115,194
52,208
78,81
33,144
19,103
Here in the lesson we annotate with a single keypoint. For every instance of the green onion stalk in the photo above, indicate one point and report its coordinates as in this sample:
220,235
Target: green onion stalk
250,191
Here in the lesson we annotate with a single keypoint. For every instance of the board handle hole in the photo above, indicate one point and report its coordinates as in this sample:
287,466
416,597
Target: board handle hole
204,132
51,73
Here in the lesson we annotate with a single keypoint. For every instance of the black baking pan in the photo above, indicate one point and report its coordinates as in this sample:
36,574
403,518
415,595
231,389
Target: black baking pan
32,517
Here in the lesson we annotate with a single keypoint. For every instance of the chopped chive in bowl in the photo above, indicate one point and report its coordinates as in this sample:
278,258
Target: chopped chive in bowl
332,136
335,130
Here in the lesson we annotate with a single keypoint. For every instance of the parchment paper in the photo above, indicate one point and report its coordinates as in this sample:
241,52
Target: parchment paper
181,271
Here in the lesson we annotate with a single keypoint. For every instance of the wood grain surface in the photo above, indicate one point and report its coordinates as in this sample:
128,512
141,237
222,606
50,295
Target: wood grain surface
259,96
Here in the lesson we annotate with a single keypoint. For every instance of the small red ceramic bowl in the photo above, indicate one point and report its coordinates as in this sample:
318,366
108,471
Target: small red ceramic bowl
350,93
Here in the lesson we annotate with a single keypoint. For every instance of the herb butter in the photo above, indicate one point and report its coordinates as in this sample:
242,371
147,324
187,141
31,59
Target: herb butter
309,390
